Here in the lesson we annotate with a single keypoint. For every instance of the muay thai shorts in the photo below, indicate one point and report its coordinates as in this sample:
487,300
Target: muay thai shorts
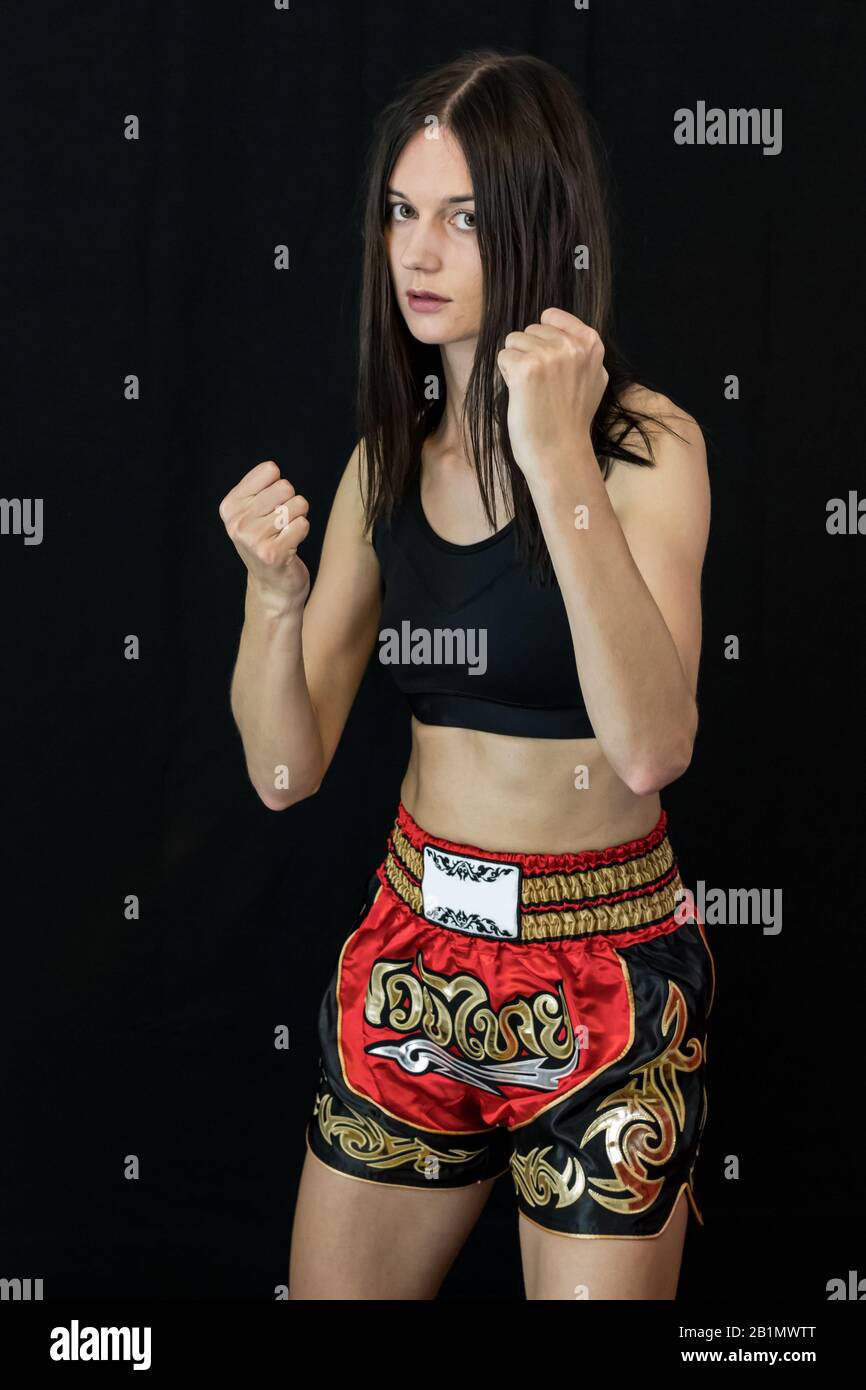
538,1014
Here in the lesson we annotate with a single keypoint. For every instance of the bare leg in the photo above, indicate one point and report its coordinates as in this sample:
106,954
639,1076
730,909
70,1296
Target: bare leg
354,1239
560,1267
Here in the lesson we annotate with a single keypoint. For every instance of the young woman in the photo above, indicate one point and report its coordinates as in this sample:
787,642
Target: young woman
521,530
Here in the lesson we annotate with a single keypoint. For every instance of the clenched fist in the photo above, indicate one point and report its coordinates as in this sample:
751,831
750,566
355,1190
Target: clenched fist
556,378
266,521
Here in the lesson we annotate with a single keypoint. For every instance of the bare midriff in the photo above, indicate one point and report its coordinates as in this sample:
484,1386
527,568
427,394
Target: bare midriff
528,795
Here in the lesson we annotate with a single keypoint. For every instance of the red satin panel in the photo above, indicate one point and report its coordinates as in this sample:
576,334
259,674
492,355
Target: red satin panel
592,977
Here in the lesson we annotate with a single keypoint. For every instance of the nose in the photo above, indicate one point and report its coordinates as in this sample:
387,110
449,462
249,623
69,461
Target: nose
421,250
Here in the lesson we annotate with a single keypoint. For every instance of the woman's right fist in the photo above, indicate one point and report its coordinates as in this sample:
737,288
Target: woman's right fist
266,521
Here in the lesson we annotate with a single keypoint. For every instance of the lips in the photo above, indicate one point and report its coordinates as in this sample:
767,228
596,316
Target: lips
429,296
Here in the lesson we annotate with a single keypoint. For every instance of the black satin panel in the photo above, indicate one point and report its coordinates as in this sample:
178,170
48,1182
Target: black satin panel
530,686
649,1107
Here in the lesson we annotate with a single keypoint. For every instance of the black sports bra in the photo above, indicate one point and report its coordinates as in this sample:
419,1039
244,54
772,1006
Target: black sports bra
468,639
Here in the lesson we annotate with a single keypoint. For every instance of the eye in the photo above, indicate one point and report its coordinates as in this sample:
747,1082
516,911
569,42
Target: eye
464,212
392,208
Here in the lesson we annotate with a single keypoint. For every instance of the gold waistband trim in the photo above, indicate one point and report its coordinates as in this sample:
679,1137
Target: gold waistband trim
558,904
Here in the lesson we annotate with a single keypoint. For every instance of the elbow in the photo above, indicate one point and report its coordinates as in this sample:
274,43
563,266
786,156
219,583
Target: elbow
648,781
281,801
648,777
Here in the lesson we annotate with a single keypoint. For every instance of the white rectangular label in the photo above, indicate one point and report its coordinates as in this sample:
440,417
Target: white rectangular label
480,896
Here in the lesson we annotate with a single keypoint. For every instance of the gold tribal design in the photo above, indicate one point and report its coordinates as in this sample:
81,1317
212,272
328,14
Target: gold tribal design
367,1142
539,1182
640,1123
457,1010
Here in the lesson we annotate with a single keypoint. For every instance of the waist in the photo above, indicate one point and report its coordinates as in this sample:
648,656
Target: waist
546,795
529,896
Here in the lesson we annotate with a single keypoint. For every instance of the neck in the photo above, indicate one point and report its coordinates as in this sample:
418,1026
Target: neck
457,359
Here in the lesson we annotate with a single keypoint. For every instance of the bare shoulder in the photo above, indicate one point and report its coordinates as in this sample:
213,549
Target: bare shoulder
347,581
348,505
678,452
664,413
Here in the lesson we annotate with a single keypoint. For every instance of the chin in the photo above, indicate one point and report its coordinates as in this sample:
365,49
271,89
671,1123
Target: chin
436,335
430,336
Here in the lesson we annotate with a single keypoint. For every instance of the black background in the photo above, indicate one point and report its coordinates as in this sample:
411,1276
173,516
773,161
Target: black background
155,257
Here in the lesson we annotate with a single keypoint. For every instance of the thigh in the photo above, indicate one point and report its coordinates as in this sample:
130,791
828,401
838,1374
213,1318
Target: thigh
559,1266
354,1239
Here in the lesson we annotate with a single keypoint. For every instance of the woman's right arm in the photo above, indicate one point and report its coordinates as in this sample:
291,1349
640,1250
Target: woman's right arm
300,660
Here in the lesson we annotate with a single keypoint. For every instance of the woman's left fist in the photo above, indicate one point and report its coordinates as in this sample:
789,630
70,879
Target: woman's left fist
555,375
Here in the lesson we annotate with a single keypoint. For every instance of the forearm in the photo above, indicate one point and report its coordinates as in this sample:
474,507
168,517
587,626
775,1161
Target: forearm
641,708
271,705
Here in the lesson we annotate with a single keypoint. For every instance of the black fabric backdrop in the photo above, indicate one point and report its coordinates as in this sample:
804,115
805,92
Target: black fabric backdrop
155,1036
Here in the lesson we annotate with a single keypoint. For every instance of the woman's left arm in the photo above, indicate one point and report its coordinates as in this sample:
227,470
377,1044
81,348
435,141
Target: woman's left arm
631,584
630,577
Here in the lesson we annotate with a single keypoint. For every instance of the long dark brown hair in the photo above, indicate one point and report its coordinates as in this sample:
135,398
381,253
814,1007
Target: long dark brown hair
535,159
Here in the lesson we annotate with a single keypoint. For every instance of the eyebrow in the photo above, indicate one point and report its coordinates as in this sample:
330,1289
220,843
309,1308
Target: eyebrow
461,198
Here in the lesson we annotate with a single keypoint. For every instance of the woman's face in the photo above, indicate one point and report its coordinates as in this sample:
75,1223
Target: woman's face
431,240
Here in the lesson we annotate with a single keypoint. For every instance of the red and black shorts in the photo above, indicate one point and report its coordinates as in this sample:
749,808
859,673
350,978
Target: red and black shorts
543,1013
